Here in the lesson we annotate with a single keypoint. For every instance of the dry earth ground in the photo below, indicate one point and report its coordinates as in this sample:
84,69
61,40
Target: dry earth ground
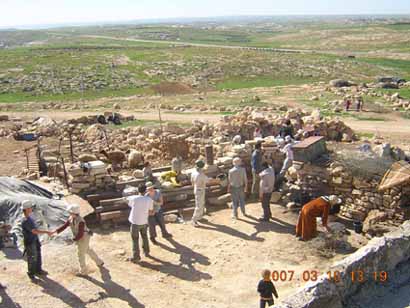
216,265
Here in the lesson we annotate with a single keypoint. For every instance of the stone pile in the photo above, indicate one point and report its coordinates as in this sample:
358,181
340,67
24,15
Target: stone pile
362,201
306,182
89,177
6,132
397,101
246,122
59,81
361,196
272,154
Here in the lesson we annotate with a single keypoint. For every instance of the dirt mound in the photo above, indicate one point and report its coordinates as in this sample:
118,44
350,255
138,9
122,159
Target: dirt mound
172,88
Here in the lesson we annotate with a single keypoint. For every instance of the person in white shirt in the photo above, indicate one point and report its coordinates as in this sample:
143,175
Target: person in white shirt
237,186
287,149
199,179
267,185
141,207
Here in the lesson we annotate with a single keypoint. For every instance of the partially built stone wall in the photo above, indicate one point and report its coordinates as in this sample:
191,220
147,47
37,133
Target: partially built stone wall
361,199
361,196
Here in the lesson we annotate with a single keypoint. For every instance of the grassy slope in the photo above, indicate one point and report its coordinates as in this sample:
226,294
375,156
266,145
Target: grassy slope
240,69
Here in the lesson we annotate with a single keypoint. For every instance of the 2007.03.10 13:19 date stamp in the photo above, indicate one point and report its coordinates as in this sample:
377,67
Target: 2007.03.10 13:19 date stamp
359,276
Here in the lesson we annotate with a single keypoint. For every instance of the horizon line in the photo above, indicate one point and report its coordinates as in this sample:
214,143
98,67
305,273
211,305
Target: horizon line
53,25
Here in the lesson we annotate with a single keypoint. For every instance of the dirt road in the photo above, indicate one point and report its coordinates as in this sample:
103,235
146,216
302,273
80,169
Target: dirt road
263,49
198,44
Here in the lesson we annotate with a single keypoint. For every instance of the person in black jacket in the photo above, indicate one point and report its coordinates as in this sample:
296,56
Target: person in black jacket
266,290
286,129
32,244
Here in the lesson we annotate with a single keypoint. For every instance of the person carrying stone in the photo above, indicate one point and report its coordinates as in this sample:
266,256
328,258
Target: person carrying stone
267,185
158,217
32,245
199,180
256,164
81,236
237,186
141,207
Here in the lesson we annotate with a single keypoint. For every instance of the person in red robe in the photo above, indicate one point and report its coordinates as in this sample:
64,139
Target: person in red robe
306,228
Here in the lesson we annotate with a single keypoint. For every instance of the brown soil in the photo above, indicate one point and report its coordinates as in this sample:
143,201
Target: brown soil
13,157
172,88
216,265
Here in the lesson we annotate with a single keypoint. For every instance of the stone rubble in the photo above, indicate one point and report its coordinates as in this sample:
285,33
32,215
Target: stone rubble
89,177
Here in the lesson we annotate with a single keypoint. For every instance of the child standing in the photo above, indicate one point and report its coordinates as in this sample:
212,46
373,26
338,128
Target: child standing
266,290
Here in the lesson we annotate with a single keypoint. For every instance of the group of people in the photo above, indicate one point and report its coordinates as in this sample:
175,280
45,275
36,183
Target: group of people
145,215
32,246
359,104
263,185
146,212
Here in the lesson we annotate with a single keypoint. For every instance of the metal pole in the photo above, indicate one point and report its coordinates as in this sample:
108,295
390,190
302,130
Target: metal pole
70,134
160,119
27,160
65,171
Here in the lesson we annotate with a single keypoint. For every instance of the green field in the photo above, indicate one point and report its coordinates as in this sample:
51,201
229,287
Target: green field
69,64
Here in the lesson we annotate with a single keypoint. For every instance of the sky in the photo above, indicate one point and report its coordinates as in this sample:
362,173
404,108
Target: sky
42,12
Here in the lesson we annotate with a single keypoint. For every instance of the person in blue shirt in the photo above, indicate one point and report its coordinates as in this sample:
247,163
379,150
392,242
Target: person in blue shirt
32,244
256,164
158,216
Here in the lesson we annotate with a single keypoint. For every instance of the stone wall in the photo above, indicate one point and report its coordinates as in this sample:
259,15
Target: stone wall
380,254
89,177
378,210
361,197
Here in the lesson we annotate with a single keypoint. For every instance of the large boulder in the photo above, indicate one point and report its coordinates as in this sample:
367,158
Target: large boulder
398,154
45,126
388,85
373,218
319,294
95,132
340,83
135,159
85,158
383,150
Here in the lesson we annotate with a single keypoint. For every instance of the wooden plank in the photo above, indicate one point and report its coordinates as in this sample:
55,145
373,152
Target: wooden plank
307,142
121,185
177,205
161,169
110,202
177,190
103,196
174,198
112,215
111,208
